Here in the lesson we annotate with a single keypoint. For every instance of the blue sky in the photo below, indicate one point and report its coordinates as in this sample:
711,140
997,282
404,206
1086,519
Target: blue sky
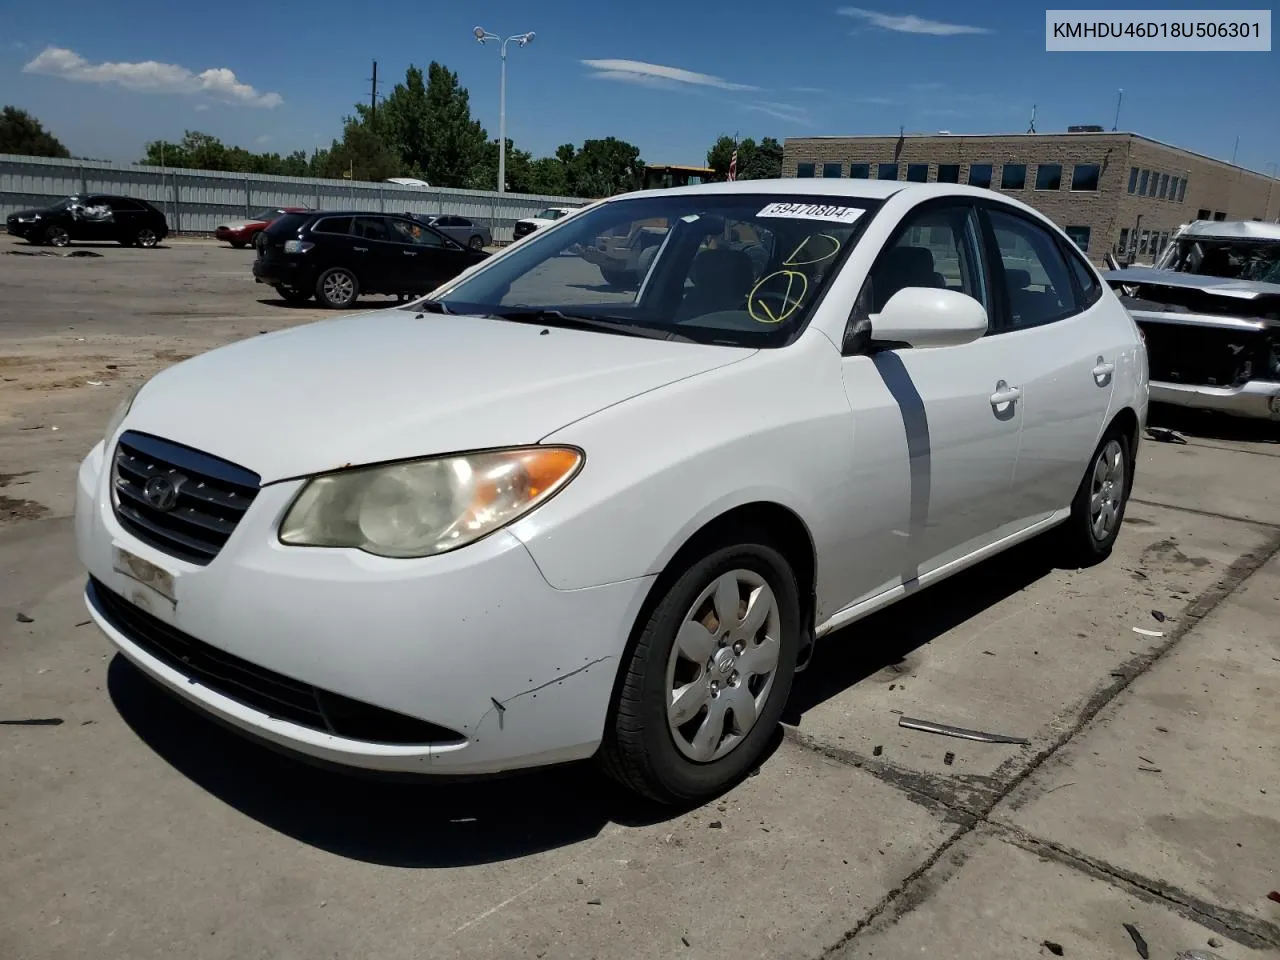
668,76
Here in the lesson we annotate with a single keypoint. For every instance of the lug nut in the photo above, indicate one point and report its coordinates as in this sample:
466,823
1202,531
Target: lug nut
739,647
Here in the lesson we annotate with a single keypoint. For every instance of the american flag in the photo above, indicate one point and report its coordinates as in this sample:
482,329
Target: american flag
733,165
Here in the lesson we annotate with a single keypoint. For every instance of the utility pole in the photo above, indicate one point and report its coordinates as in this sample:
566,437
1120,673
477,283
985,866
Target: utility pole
1234,149
1119,100
373,98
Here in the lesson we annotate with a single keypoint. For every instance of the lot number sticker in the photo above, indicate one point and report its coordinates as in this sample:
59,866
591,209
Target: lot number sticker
812,211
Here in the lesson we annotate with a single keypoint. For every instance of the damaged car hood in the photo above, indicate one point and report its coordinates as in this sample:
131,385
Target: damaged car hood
395,384
1220,286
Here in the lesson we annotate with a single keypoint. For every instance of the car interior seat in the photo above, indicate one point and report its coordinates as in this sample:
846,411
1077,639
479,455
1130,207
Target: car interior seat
722,278
903,267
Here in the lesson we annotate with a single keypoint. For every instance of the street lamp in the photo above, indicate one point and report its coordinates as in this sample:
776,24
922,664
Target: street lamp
522,39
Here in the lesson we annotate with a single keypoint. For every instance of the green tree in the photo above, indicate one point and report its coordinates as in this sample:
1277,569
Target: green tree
23,134
604,167
361,154
760,161
402,120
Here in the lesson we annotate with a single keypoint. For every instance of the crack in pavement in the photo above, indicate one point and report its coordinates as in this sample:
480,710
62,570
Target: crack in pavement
1212,515
973,808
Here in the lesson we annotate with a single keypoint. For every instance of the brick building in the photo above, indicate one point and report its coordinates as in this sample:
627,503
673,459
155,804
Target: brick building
1110,191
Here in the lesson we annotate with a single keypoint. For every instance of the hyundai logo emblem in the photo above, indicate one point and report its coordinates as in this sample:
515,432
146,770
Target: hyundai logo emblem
161,491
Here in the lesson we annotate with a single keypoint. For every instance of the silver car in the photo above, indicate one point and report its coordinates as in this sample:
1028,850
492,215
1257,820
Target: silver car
477,236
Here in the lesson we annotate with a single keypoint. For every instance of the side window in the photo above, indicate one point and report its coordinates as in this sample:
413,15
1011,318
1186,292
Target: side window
340,225
371,228
1087,284
461,222
1036,282
120,204
936,247
406,231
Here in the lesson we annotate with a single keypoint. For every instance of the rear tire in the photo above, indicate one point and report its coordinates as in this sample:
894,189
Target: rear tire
623,279
146,237
476,242
337,288
696,707
1097,512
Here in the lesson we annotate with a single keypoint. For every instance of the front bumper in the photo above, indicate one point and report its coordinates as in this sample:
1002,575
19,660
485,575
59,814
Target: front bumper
523,229
1256,399
21,228
475,641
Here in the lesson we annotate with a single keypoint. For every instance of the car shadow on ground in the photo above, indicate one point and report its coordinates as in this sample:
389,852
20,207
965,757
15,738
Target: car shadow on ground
425,823
888,638
363,304
1211,426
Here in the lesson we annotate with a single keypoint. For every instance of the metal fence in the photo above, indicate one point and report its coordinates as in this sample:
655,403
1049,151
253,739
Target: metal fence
196,201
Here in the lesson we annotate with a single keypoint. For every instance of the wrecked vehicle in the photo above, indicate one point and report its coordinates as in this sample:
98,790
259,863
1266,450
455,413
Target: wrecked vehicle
520,522
91,217
1210,314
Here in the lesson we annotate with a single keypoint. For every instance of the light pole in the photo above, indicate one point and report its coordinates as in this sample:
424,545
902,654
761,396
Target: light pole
522,39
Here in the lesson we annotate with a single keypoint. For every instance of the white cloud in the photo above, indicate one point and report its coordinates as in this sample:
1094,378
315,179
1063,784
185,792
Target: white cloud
150,76
657,75
807,90
265,138
787,112
909,23
201,107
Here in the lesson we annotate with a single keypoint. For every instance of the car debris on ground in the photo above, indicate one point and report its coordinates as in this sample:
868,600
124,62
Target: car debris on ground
947,730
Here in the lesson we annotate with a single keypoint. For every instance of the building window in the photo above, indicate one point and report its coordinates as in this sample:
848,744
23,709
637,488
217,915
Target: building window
1219,216
1142,183
980,175
804,169
1079,236
1133,179
948,173
1013,176
860,171
1085,176
1155,184
1122,245
918,172
1173,189
1049,176
1182,190
887,171
1142,243
1164,185
1164,240
1202,214
832,169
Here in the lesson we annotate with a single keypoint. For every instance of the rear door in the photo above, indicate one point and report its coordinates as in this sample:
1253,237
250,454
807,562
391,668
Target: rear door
377,257
1056,321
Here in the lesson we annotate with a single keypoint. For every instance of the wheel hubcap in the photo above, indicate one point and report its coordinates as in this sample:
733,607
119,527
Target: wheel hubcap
1107,490
722,665
147,238
339,287
58,237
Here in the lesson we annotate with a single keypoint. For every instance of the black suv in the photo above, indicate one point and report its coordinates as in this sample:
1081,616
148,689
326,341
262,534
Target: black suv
336,256
92,216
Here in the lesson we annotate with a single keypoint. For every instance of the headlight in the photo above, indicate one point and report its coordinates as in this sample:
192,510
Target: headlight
120,413
425,507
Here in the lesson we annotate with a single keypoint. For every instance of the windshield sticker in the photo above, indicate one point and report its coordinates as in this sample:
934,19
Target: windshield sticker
776,296
815,248
812,211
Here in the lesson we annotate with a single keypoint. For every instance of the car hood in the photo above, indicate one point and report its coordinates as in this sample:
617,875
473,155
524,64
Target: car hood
241,224
395,384
1219,286
536,221
28,214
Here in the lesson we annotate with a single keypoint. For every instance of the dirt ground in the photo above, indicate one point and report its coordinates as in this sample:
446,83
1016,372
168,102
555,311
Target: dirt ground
1146,798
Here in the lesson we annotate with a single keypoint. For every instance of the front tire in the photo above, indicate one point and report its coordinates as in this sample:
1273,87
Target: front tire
146,237
476,242
57,236
709,675
1097,512
337,288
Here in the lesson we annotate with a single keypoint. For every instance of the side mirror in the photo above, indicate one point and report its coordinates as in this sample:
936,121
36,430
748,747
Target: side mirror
929,317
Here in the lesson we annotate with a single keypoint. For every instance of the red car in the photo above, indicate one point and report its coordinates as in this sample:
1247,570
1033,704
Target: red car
241,233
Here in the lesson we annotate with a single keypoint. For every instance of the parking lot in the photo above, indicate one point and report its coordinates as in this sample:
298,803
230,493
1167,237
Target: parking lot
1148,688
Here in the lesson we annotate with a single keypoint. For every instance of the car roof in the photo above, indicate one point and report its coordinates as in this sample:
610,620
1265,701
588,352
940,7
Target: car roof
1232,230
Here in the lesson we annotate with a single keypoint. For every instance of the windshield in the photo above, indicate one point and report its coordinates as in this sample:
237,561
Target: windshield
740,269
551,213
265,215
1234,259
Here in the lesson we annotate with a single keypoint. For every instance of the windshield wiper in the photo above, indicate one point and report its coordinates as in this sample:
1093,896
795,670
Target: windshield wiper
608,324
432,306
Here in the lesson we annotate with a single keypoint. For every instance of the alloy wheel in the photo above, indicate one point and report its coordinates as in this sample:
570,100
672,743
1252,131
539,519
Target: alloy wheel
57,236
722,665
147,237
339,287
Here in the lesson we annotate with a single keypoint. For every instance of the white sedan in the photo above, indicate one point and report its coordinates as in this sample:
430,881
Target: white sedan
531,519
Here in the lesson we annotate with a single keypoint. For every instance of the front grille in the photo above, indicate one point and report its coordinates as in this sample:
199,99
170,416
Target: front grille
179,500
1204,356
272,693
521,229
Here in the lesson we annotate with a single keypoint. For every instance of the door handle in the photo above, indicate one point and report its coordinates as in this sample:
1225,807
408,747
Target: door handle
410,253
1103,370
1005,394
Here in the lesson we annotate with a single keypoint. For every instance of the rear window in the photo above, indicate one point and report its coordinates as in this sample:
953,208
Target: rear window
289,223
332,225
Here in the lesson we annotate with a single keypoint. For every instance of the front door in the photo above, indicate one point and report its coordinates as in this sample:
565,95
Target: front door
935,431
1069,348
428,256
93,219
